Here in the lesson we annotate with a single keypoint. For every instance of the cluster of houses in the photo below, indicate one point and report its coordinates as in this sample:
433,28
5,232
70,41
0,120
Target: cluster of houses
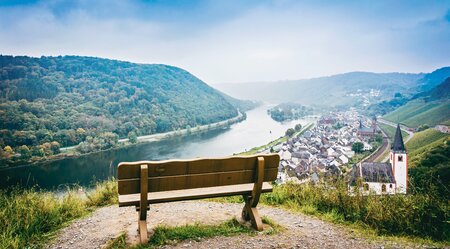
324,149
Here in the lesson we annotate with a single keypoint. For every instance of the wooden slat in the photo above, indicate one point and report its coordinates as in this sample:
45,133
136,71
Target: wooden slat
166,183
258,182
129,170
192,194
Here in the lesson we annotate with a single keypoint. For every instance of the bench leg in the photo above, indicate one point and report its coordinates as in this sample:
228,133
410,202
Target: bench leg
250,213
142,225
143,231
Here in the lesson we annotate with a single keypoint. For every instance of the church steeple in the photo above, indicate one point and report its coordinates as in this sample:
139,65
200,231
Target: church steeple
398,144
399,162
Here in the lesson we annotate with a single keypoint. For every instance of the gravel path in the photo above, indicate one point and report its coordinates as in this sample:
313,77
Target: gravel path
302,231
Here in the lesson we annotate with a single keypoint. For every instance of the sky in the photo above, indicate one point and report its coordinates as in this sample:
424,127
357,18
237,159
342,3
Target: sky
223,41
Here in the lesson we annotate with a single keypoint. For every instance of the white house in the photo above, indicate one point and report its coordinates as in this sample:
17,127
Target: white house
343,159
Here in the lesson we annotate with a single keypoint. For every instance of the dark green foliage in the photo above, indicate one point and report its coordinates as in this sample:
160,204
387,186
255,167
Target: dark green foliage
387,106
432,171
132,137
357,147
298,127
67,99
290,132
422,127
288,111
441,91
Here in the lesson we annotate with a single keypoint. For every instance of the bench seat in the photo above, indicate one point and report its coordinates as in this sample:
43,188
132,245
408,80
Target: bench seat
191,194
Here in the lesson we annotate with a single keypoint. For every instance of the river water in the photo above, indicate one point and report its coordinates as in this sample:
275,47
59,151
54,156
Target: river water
256,130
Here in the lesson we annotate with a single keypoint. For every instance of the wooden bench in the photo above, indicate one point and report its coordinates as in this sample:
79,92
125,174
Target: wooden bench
147,182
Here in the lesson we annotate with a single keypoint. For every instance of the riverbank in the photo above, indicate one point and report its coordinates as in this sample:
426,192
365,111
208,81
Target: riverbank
72,152
267,147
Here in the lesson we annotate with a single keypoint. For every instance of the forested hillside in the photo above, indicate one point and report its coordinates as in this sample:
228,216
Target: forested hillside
49,102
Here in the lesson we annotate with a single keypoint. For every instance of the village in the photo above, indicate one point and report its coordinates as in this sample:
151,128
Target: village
325,150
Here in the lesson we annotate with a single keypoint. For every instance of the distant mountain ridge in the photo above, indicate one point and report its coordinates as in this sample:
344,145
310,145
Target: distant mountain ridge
336,90
50,98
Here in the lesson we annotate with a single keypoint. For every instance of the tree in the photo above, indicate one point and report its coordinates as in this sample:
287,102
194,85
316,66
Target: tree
8,151
132,137
298,127
47,148
290,132
423,127
357,147
24,151
54,146
37,151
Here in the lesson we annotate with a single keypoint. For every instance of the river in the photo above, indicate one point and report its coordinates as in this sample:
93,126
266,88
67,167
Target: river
256,130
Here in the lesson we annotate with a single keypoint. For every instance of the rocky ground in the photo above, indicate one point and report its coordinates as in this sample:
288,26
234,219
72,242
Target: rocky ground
301,231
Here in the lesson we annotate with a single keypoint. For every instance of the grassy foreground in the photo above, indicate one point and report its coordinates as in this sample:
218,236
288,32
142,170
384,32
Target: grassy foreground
164,235
29,218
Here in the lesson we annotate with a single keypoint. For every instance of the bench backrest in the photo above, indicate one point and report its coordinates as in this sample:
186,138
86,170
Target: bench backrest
195,173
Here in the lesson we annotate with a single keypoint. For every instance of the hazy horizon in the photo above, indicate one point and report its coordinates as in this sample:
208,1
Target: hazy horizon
230,42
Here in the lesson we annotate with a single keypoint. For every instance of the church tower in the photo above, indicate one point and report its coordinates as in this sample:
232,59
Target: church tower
374,124
399,162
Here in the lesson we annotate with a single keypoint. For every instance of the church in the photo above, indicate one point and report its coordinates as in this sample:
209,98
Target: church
383,178
366,131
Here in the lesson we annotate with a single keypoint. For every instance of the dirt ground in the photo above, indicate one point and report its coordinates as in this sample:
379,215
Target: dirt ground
301,231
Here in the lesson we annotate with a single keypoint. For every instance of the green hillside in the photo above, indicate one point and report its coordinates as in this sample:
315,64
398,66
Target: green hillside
423,142
418,112
61,101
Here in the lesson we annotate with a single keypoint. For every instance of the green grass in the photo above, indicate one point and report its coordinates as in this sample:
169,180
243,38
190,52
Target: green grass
104,193
424,138
30,218
419,215
418,112
165,235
